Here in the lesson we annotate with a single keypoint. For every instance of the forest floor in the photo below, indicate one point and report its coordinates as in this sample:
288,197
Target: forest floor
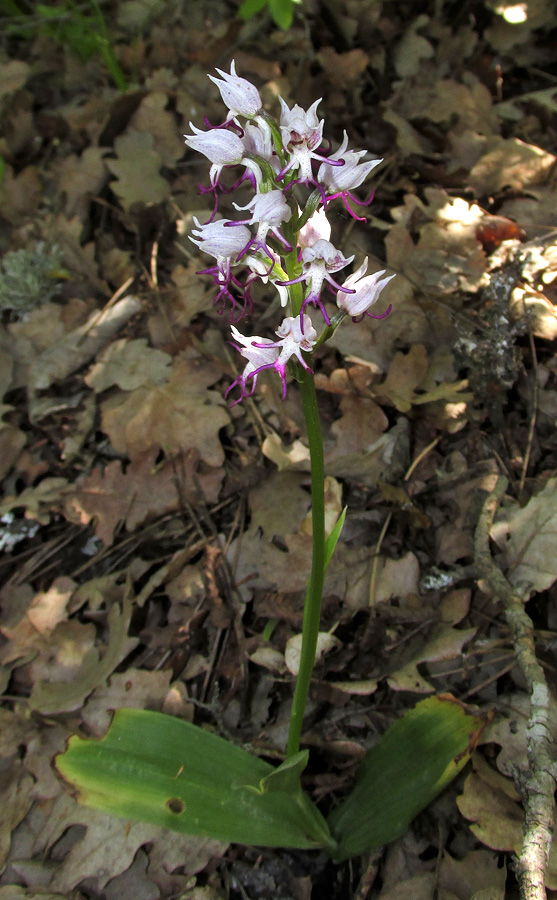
156,541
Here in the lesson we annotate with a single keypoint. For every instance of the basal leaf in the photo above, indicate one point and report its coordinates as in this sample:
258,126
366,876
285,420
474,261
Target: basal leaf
414,760
160,769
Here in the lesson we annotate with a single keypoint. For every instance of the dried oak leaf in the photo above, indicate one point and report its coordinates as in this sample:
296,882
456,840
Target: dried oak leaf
177,416
112,496
81,178
152,118
446,255
108,847
137,169
528,537
128,364
14,75
51,697
16,787
444,643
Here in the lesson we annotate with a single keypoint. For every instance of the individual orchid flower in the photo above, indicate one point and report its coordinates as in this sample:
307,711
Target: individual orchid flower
239,95
295,336
268,211
341,180
302,133
366,291
258,358
260,354
221,147
226,245
319,262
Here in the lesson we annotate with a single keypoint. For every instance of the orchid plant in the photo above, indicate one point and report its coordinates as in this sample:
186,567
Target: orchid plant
166,771
287,245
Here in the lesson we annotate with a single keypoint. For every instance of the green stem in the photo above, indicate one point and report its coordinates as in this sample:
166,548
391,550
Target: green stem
312,609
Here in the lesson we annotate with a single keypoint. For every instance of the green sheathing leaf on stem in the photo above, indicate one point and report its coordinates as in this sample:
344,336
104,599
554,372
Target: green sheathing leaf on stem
156,768
414,760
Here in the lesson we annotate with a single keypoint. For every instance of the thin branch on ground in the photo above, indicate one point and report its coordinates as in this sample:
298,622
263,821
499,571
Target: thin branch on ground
537,783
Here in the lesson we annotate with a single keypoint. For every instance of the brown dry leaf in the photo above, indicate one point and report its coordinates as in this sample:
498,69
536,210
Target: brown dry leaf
192,296
333,507
79,258
59,696
13,75
540,311
16,789
326,642
360,427
137,169
398,578
291,456
412,49
461,499
38,501
136,688
151,118
447,255
444,643
75,349
495,162
112,496
12,442
68,644
180,415
455,606
492,808
109,846
418,887
406,373
6,363
20,195
279,504
528,537
29,620
465,108
82,426
343,69
44,326
80,179
477,876
129,364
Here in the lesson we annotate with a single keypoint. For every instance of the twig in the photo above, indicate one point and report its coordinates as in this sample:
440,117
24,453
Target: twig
537,783
533,413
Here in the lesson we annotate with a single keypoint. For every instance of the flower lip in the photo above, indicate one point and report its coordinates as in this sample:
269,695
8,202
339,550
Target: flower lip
323,250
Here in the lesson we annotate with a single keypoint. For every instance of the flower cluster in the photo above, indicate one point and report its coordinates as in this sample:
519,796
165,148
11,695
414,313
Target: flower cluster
282,240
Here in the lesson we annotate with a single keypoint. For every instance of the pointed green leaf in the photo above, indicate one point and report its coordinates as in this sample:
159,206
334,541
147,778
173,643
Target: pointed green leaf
160,769
250,8
286,777
414,760
332,540
282,12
